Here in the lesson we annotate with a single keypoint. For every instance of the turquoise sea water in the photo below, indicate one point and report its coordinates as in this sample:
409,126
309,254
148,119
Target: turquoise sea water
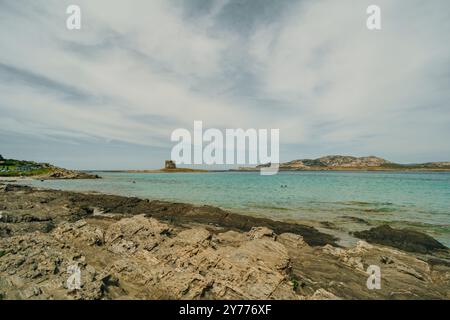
415,200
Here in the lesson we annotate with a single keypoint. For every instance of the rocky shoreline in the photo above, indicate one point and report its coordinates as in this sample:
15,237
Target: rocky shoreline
12,169
130,248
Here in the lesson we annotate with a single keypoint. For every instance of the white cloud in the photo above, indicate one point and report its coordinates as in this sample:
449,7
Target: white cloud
135,72
324,61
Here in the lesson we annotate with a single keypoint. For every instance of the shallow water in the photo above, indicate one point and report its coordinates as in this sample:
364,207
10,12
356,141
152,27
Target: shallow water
415,200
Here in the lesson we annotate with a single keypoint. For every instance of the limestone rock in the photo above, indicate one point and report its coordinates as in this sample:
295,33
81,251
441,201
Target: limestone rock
232,238
178,251
292,240
322,294
260,232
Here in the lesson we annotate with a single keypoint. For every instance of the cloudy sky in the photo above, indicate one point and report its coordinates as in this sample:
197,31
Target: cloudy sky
109,95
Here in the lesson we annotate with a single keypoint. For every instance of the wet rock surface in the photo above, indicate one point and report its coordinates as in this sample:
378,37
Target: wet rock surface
404,239
127,248
72,205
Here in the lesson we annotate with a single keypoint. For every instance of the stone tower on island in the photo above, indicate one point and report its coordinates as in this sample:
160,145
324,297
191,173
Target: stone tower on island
170,165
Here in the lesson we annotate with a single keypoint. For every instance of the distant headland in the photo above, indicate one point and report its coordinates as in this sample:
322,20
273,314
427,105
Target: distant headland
12,168
350,163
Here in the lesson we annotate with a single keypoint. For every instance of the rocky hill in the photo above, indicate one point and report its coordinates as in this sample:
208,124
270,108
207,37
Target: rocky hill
338,162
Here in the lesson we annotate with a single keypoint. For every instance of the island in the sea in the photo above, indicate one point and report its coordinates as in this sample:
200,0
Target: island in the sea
169,167
20,168
343,163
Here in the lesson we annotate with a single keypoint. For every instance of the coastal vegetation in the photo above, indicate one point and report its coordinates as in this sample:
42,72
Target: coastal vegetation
13,168
21,168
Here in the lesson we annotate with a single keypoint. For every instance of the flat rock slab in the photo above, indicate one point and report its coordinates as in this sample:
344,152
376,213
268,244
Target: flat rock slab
404,239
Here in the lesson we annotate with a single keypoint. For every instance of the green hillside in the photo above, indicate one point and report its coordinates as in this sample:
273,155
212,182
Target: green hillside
14,168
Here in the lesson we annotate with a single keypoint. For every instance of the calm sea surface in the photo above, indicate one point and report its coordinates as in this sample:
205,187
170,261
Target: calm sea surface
416,200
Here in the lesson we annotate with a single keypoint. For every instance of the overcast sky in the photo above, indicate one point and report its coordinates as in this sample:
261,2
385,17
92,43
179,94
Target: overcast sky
109,95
